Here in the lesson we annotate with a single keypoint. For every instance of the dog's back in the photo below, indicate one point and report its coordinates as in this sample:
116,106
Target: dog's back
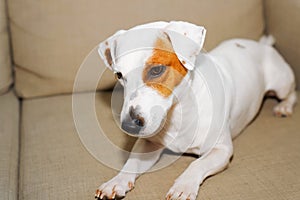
252,68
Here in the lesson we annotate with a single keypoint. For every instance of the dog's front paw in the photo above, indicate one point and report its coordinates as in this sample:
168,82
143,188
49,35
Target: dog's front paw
115,188
183,191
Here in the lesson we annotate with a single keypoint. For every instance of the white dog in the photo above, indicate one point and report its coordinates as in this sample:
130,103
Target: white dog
177,97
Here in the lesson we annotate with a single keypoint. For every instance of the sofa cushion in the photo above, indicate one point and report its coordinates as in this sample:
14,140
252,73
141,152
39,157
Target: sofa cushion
55,165
282,21
5,63
9,146
51,38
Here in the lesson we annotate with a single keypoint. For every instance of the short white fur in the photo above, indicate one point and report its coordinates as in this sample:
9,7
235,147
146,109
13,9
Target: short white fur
248,70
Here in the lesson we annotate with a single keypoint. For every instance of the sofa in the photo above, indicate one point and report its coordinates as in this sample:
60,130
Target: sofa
43,44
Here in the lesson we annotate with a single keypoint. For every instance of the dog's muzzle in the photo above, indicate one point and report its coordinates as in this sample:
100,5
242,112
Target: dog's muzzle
133,123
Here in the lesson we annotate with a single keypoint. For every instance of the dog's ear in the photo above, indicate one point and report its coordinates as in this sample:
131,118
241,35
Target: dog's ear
187,41
107,49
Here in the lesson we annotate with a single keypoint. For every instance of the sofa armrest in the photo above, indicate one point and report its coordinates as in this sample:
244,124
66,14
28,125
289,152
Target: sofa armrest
5,59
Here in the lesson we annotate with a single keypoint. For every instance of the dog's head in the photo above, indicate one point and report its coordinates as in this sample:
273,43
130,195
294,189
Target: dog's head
151,61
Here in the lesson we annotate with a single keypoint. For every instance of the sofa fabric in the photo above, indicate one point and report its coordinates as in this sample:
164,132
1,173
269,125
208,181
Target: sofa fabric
9,146
55,164
51,38
42,156
5,60
283,21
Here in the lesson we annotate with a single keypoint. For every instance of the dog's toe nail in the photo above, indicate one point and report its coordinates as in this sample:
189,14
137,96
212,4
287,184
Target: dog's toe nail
130,185
97,194
113,196
102,196
168,197
188,198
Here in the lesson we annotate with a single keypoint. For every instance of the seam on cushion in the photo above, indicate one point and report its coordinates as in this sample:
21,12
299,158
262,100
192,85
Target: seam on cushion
12,162
6,90
10,85
12,64
31,72
10,46
19,146
19,149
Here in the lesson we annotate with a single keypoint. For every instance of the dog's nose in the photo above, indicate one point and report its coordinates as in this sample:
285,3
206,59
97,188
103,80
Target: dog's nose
134,123
133,126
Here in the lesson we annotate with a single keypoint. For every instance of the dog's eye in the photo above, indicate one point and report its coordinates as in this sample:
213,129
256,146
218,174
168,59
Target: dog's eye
118,75
156,71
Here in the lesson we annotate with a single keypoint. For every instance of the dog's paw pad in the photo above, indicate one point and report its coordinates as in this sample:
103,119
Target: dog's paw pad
283,109
182,192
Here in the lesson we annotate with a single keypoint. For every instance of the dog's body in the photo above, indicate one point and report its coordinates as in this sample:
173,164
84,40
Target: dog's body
205,106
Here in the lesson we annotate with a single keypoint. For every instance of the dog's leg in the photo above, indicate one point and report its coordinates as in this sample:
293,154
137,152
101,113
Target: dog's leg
285,107
187,184
144,157
280,79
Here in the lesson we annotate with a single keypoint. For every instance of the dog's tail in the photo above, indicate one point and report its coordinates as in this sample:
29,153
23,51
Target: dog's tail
267,40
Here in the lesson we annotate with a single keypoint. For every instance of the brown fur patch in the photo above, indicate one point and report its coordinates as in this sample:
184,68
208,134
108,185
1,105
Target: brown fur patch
163,54
108,56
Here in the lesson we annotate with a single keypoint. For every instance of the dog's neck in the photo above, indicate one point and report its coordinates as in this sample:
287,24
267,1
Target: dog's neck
193,108
183,118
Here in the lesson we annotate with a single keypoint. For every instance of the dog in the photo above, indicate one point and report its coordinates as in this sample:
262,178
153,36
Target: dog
178,97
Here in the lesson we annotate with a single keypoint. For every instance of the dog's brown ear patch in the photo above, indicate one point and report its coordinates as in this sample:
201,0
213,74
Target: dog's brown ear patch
108,56
163,54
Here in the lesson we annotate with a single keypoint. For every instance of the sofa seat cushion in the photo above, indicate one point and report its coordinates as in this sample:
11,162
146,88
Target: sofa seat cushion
9,146
55,164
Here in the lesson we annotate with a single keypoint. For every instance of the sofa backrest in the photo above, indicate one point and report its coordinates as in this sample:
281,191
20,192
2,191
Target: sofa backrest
283,22
51,38
5,60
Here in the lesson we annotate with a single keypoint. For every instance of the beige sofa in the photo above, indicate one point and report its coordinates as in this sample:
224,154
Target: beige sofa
42,45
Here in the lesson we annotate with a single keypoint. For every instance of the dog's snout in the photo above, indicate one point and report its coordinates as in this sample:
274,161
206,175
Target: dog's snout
135,116
134,123
131,127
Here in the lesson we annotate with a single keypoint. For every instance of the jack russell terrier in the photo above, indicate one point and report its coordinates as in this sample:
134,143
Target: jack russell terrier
180,98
